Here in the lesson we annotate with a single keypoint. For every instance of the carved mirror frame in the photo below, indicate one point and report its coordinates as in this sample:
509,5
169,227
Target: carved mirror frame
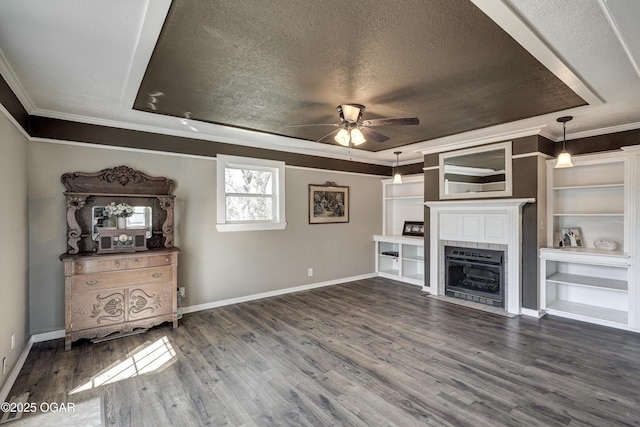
86,189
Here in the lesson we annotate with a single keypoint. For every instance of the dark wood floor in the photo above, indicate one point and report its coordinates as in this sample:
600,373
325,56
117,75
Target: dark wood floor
367,353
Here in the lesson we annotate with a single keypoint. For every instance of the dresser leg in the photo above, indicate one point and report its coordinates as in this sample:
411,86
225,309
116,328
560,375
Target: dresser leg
175,323
67,343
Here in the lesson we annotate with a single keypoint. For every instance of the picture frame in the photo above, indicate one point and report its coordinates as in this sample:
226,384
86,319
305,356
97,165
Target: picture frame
328,203
413,228
570,237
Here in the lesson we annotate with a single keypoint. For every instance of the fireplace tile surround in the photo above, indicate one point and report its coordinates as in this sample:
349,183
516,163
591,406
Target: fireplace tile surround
484,224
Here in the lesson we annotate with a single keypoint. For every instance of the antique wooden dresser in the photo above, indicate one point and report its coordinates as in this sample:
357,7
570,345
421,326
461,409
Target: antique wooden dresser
118,280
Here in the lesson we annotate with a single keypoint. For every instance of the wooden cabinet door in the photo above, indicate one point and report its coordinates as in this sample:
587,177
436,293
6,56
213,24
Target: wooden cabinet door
97,309
150,300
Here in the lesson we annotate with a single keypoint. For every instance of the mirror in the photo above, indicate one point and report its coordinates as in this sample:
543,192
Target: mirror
141,218
476,172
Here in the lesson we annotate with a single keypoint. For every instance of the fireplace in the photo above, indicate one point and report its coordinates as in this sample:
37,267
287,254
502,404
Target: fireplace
476,275
487,224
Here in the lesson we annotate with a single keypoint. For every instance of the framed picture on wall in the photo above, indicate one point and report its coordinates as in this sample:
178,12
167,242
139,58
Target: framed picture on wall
570,238
413,228
328,203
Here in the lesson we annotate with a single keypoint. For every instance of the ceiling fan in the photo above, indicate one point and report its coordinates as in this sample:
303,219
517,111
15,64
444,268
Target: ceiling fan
355,131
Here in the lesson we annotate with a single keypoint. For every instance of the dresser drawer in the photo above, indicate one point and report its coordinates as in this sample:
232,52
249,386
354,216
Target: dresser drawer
113,279
151,261
96,265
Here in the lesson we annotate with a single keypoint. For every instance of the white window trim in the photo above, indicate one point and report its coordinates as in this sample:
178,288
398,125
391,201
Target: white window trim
279,222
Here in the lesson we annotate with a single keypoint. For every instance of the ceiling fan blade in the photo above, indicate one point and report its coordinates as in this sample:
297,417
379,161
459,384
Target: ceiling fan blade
328,135
397,121
371,134
313,124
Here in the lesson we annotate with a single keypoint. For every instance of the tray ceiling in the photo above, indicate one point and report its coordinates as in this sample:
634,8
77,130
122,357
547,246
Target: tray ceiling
243,72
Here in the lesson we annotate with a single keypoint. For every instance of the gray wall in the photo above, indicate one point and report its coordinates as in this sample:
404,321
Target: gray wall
13,244
213,266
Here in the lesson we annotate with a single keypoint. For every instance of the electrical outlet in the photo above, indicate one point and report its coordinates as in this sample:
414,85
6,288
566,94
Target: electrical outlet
182,291
4,366
310,272
13,341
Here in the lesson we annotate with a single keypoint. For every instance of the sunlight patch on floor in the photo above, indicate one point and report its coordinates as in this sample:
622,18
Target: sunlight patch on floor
150,358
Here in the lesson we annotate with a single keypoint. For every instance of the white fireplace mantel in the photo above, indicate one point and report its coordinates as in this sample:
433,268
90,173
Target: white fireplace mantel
489,221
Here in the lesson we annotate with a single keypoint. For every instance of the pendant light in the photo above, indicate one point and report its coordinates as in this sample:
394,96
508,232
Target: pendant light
564,159
397,178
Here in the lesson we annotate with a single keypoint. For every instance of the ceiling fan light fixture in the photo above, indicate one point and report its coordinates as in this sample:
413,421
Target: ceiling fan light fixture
342,137
397,178
564,159
351,113
357,137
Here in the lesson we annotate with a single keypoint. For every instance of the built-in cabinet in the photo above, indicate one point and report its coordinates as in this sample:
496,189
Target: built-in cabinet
586,285
594,281
398,256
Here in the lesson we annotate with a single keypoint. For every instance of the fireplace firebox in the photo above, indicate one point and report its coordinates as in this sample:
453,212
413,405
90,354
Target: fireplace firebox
475,275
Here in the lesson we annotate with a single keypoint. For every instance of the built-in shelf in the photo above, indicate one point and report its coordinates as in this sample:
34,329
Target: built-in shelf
589,214
589,187
588,281
416,198
587,312
587,285
408,265
400,203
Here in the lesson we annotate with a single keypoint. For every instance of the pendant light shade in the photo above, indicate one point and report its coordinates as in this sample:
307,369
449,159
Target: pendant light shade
357,137
342,137
397,178
564,159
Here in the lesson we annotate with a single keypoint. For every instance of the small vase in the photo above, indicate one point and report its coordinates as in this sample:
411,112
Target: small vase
122,222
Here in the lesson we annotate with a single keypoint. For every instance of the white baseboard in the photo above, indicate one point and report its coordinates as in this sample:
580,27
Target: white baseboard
48,336
13,375
531,313
200,307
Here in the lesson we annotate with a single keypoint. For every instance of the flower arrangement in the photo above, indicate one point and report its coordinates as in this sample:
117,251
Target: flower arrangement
118,210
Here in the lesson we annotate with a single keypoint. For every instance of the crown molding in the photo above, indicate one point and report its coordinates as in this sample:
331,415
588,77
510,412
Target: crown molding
242,137
6,112
14,83
601,131
467,143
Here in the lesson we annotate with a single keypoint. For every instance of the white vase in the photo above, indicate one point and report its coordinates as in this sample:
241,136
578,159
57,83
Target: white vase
122,222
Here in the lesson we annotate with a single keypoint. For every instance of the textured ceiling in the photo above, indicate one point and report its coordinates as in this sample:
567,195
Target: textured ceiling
266,65
260,66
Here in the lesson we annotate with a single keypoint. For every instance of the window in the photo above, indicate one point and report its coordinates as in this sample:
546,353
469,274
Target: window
250,194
